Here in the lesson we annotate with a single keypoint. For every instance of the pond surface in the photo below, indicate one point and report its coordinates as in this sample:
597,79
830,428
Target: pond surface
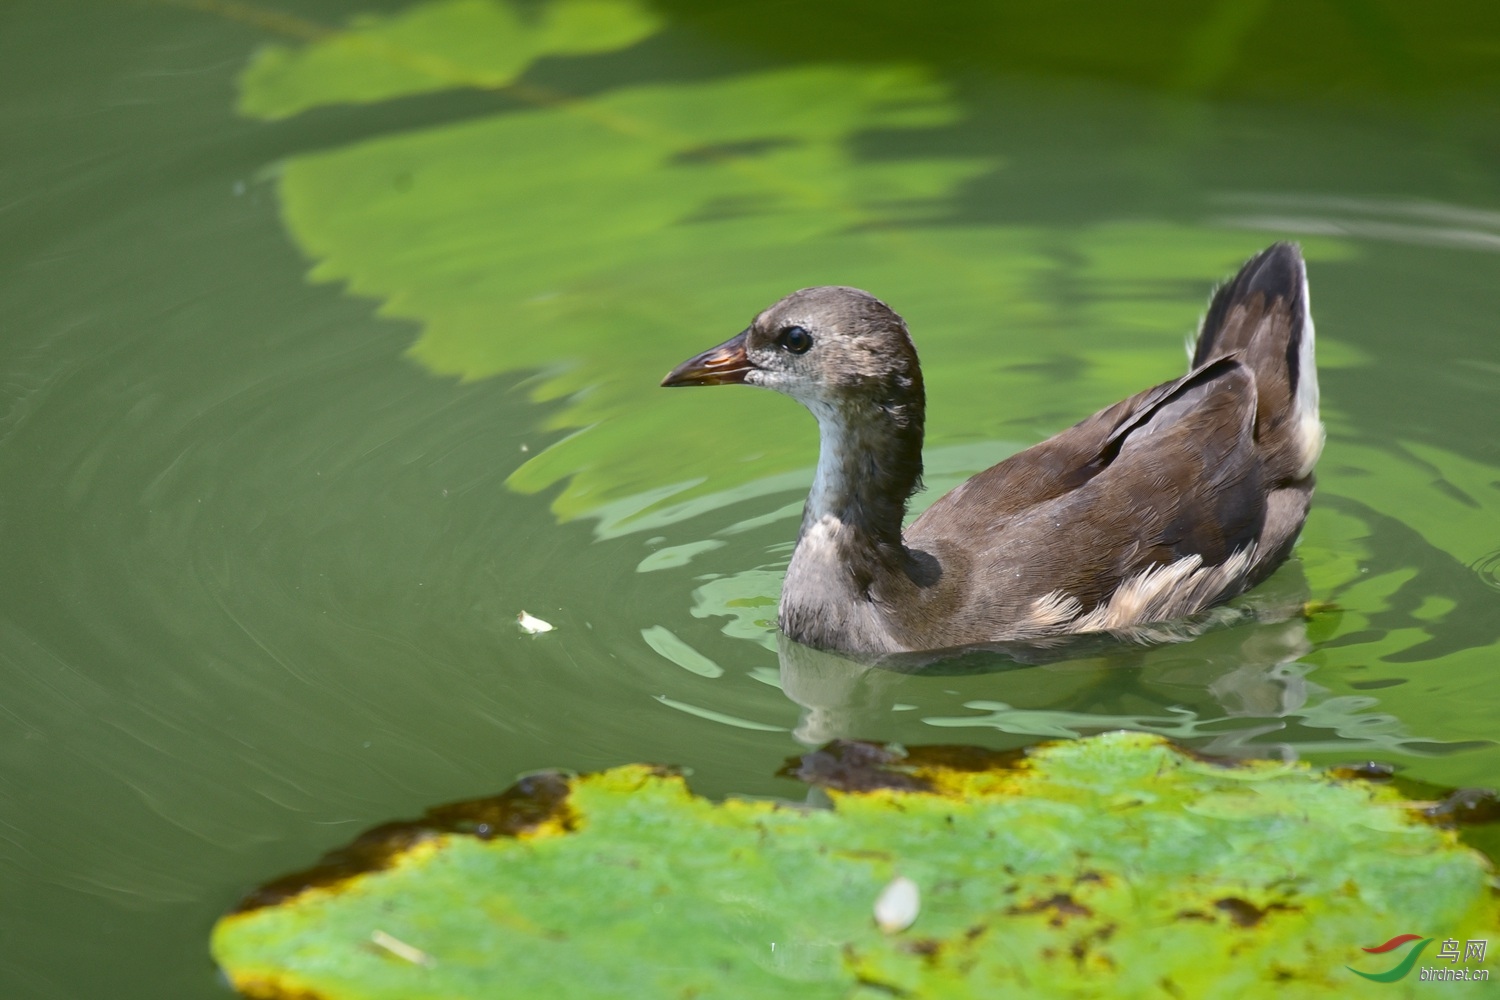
327,350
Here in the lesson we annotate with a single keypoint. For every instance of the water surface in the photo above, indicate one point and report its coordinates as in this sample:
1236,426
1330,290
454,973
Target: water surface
312,378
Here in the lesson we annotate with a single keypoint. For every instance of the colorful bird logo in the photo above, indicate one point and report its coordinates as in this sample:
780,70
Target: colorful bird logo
1401,968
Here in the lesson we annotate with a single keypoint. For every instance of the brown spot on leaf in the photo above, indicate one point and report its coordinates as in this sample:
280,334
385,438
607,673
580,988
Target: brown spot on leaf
1245,913
860,766
890,989
852,961
1366,770
1217,760
954,757
854,766
1061,905
270,988
530,802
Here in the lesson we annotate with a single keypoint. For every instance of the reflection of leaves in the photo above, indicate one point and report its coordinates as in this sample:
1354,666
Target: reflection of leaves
435,46
625,884
1454,502
601,240
1391,538
598,240
1436,513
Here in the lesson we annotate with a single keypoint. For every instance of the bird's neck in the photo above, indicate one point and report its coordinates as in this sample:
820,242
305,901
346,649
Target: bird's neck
869,465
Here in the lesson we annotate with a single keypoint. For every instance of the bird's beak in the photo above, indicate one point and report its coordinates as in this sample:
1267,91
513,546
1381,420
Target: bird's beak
726,364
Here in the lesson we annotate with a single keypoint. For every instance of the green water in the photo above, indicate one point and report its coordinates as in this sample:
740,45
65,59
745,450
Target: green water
322,356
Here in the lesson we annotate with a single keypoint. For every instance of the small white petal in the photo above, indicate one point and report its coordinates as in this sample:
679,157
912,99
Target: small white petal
532,625
898,905
399,948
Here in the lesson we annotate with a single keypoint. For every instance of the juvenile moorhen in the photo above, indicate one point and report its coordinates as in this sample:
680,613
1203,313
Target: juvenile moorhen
1153,509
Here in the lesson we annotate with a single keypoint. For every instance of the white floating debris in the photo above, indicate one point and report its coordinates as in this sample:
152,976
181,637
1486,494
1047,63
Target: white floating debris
897,907
531,625
399,948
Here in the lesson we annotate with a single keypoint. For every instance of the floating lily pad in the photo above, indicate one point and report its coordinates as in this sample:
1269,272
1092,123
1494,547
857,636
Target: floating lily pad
1115,866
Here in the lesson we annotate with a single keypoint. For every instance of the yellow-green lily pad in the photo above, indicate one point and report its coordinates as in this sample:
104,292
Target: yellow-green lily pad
1116,866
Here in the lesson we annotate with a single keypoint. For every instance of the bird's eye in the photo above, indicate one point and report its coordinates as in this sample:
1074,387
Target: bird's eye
795,339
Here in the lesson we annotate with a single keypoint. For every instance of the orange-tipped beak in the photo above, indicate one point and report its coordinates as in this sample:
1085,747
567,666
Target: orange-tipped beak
722,365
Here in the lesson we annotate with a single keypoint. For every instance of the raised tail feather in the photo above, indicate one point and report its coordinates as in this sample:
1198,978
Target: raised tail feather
1262,318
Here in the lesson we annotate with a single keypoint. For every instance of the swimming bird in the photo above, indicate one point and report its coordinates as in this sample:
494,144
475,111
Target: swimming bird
1153,509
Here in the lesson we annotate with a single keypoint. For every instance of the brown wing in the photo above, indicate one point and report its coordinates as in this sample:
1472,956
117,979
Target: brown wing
1055,467
1201,466
1168,473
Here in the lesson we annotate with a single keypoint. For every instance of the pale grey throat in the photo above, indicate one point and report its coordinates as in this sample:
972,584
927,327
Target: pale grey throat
1150,510
849,547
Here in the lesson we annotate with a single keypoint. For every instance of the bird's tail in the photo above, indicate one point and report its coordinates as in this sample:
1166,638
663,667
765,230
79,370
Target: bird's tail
1262,317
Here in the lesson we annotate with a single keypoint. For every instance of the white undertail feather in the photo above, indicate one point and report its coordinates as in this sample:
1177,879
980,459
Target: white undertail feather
1155,594
1144,597
1050,614
1309,424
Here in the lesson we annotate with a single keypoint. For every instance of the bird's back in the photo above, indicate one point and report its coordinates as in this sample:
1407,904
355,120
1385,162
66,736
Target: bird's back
1154,508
